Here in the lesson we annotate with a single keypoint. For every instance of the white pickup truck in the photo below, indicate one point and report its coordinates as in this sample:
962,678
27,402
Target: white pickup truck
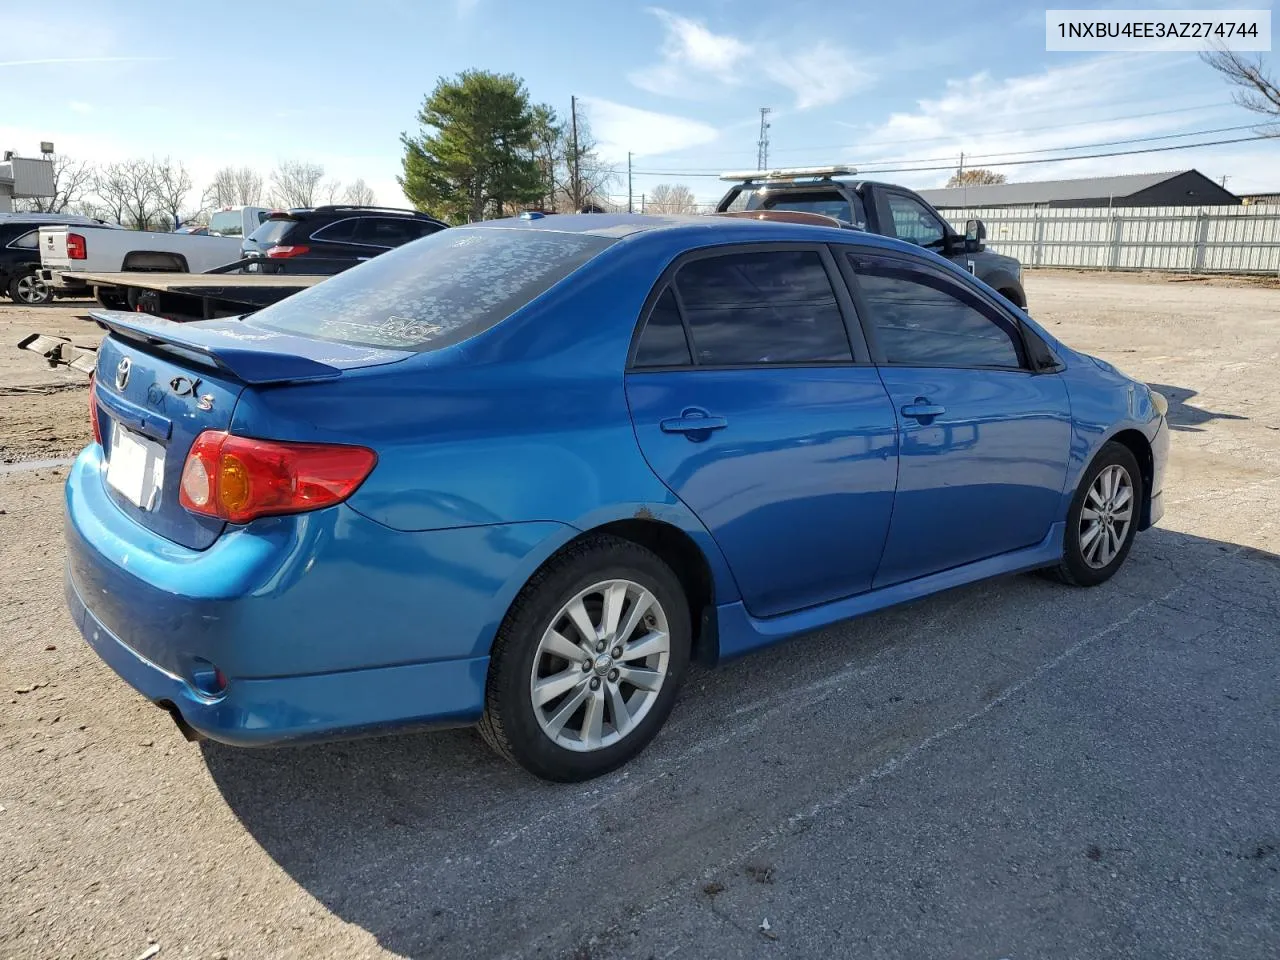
90,249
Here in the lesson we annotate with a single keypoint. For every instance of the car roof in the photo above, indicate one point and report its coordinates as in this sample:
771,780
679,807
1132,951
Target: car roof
692,230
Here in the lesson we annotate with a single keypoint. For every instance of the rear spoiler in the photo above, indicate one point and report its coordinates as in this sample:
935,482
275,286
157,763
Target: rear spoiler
252,356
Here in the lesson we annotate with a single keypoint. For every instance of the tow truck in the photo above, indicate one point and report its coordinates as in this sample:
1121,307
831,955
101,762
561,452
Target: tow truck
876,207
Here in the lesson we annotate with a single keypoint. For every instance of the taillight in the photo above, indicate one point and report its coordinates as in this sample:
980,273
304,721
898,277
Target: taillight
280,252
93,409
76,247
239,478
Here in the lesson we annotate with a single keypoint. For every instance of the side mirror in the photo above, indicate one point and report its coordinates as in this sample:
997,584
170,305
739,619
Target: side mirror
975,231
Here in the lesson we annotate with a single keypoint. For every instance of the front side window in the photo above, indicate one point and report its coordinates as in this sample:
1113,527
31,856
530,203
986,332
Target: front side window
922,318
913,221
756,308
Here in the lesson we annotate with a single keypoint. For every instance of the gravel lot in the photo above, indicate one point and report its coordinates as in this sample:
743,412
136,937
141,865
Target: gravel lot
1016,769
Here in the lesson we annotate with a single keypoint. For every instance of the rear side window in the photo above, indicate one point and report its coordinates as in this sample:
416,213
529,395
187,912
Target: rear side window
663,342
226,223
427,295
829,203
756,308
340,231
925,319
27,241
272,231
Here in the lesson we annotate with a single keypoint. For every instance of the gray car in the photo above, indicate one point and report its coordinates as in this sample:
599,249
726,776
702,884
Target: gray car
883,208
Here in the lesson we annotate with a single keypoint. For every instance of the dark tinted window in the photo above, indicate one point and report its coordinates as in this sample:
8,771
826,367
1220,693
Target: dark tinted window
427,295
388,231
662,342
27,241
272,231
762,308
340,231
913,221
922,318
829,203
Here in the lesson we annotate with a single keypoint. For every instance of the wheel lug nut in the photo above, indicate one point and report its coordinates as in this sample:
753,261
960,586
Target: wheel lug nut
595,683
600,647
613,674
586,666
617,652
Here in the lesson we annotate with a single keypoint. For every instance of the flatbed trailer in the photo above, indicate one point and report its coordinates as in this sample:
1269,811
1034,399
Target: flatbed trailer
215,294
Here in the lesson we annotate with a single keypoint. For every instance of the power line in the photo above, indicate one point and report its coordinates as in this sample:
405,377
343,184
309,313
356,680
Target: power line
1006,163
1089,146
989,133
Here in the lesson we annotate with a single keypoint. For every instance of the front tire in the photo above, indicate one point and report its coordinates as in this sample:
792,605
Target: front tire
588,662
1103,519
29,290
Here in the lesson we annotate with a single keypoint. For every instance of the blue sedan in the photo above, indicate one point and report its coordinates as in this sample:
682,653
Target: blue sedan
521,473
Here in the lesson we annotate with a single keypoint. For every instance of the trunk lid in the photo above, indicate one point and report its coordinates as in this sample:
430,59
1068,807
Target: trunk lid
53,247
159,384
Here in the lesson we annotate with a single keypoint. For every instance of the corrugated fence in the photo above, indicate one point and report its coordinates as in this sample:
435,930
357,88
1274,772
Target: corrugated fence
1195,239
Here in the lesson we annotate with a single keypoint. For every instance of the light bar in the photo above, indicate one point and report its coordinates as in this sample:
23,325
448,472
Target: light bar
788,173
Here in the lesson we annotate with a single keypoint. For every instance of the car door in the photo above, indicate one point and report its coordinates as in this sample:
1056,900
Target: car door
984,420
755,407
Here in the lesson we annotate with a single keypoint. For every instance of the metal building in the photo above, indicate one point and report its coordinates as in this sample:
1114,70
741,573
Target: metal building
22,178
1179,188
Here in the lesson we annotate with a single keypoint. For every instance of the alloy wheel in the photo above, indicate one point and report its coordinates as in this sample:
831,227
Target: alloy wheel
32,290
600,665
1106,516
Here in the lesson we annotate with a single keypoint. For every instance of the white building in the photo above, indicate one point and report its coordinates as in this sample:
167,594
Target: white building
22,179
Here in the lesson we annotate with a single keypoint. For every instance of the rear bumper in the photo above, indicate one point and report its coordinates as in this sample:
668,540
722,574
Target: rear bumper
276,710
62,283
325,624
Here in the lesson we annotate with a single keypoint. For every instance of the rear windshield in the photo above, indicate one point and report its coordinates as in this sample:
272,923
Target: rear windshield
829,203
435,291
270,232
226,223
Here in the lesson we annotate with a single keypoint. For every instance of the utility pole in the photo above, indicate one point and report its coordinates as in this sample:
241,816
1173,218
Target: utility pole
762,145
1225,178
629,210
577,184
960,172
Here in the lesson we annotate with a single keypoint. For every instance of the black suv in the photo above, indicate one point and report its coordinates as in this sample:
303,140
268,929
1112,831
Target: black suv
884,208
20,254
330,239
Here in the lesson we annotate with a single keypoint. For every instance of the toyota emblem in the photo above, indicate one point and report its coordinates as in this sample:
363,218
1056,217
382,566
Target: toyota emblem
122,373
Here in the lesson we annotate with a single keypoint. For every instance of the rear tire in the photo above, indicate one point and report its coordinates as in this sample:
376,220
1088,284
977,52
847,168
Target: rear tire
29,290
582,675
1103,519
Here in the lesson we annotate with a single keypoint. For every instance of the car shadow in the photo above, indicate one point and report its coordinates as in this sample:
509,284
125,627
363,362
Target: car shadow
1184,416
436,847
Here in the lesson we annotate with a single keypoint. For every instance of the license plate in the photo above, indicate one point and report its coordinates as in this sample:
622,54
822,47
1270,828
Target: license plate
136,467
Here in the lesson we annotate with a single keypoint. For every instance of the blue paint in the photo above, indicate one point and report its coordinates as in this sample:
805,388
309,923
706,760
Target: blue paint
808,491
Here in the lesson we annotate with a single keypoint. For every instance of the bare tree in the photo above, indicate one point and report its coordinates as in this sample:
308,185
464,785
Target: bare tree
171,183
331,190
671,198
587,182
1256,90
234,186
110,185
975,177
360,194
294,183
72,179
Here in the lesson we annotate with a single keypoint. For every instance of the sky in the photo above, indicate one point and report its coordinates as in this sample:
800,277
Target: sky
678,85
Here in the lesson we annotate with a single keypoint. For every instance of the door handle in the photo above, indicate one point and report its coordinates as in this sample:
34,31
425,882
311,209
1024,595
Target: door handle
923,410
693,421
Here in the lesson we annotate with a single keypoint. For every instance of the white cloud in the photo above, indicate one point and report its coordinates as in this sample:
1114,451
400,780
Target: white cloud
1092,100
619,128
820,75
68,60
691,56
79,106
697,63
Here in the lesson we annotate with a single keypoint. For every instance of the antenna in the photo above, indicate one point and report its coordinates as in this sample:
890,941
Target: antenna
762,146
